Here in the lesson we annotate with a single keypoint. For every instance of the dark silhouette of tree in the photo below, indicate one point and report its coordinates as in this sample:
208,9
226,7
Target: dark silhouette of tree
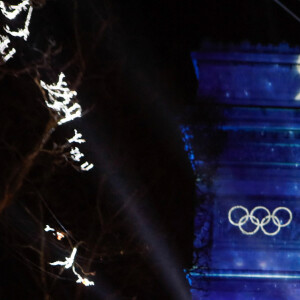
130,217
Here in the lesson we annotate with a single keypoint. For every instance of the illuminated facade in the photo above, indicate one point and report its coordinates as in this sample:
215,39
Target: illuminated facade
243,140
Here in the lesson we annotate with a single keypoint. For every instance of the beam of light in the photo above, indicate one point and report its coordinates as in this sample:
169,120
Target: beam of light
162,255
60,100
166,263
13,10
68,263
287,10
86,166
22,33
77,138
76,154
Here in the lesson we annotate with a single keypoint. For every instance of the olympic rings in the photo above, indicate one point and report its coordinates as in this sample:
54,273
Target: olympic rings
255,221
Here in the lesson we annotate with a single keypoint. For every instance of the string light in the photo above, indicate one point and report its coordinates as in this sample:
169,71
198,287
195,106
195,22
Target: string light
77,138
48,228
76,154
4,42
22,33
68,263
60,97
13,10
59,235
86,166
60,101
82,280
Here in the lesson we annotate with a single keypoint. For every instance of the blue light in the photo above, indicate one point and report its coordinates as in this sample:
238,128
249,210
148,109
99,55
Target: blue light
187,137
256,92
250,275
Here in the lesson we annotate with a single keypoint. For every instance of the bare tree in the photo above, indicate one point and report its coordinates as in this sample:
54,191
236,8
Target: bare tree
66,233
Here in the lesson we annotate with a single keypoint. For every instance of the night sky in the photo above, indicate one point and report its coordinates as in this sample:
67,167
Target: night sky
130,63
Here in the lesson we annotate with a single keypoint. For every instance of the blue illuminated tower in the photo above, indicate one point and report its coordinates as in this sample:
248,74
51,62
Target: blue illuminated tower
243,140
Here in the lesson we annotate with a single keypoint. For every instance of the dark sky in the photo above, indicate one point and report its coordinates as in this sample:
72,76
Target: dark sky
136,81
161,34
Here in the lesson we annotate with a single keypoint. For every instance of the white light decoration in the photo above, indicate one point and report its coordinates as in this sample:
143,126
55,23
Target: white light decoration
76,154
82,280
60,100
77,138
59,235
68,263
11,11
22,33
4,42
86,166
9,55
48,228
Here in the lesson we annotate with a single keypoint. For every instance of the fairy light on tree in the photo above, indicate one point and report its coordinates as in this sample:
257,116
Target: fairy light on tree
60,100
86,166
63,108
82,280
22,33
68,263
76,154
48,228
77,138
6,55
11,12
